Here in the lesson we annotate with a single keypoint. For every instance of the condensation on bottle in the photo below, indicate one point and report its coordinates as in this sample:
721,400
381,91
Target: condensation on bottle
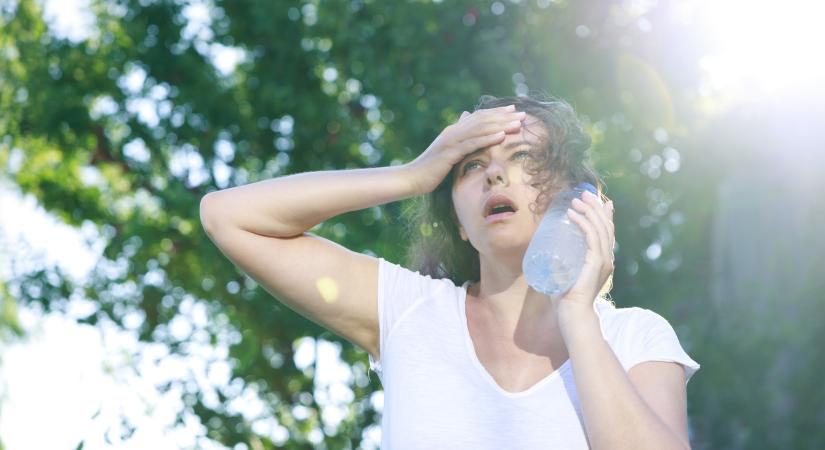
555,255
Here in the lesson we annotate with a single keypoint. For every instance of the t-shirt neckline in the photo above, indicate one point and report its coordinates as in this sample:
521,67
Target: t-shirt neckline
471,353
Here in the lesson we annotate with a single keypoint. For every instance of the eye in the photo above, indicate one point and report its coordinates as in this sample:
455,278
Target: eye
466,166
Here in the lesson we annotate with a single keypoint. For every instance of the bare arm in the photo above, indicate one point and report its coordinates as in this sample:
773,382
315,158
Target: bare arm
262,228
288,206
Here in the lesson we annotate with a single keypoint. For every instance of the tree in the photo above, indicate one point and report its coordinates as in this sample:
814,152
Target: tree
129,128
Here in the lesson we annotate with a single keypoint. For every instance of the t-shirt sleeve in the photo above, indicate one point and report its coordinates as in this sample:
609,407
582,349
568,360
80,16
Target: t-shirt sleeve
399,289
656,340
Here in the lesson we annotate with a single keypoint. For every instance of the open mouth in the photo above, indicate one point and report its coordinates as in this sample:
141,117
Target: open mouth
500,212
499,206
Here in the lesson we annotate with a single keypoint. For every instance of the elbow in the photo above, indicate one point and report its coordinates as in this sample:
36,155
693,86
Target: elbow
222,212
207,213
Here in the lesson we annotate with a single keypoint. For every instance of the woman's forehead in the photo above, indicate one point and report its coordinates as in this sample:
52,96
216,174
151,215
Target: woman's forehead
533,134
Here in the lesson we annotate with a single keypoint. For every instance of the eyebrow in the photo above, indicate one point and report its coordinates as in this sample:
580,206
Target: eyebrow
487,149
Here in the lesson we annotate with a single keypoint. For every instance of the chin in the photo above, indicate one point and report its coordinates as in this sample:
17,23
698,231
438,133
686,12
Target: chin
511,245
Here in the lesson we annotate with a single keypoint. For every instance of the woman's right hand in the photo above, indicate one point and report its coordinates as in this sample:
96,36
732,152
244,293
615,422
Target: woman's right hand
482,128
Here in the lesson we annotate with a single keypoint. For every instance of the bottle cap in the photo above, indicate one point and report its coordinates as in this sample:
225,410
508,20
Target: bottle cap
587,186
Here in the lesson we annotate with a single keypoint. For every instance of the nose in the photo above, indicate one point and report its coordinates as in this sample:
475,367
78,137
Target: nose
496,174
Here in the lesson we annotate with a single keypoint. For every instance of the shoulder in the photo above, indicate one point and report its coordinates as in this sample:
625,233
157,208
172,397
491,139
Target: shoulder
609,311
628,319
639,334
395,277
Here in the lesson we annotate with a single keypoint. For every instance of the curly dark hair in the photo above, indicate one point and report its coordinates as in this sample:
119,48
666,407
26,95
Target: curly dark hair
561,161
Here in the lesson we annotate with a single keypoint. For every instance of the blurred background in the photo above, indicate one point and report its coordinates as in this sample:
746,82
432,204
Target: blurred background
122,326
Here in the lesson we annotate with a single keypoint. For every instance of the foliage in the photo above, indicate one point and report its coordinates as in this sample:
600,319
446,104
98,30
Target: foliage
129,128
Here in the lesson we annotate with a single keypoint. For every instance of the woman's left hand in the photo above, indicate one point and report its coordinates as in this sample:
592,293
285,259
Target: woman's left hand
596,219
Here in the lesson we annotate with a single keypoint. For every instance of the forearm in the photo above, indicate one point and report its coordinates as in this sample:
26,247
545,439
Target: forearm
615,415
288,206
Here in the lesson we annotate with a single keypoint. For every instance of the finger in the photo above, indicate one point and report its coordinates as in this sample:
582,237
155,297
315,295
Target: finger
500,108
493,111
481,133
591,236
463,115
478,126
605,215
612,227
470,133
591,215
588,215
494,115
504,123
482,141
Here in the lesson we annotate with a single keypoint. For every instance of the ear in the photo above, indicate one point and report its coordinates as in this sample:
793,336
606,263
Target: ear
462,233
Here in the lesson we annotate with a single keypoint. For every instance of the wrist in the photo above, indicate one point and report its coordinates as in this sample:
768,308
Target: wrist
408,173
578,325
570,316
573,308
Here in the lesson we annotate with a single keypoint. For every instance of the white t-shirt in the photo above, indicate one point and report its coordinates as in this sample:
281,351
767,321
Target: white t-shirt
437,394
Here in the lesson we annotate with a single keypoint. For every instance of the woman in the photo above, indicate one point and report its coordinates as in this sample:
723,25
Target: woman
492,363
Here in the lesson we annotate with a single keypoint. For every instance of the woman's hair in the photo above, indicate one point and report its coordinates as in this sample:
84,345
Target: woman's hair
560,161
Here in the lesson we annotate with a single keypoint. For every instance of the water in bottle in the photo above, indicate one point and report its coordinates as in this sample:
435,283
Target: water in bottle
555,255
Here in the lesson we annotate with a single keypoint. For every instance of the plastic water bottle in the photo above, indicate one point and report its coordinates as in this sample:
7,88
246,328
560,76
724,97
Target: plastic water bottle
555,256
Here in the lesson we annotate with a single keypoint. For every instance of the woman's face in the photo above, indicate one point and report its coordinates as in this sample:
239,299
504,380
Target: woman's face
498,169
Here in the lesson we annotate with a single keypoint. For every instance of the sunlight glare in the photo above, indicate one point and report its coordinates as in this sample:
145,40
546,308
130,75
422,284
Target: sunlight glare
765,45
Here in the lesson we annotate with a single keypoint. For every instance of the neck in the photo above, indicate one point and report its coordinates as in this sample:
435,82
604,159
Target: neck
509,303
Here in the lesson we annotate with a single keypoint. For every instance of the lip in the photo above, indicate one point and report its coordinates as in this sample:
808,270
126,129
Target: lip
499,217
496,199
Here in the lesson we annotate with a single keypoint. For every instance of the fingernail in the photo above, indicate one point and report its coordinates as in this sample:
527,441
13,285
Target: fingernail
511,107
610,203
514,123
